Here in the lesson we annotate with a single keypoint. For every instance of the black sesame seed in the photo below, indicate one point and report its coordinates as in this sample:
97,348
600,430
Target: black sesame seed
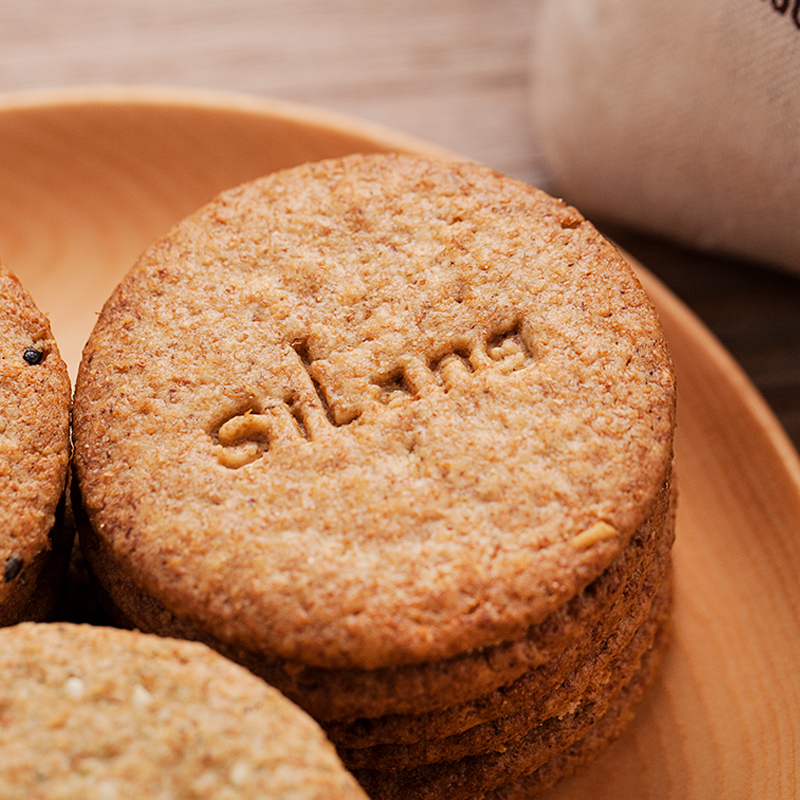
32,355
13,568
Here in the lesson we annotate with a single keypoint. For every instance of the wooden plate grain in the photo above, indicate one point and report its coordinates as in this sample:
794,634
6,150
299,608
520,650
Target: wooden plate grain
89,178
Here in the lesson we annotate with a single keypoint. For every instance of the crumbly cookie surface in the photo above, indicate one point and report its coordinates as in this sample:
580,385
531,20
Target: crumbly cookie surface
556,697
35,399
413,689
535,688
507,762
93,713
373,411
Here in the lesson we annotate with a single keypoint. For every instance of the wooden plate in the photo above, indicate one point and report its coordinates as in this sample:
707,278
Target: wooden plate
90,178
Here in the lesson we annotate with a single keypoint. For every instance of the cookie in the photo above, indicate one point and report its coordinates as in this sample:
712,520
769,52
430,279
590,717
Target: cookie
531,686
392,433
473,775
600,735
373,411
35,397
536,697
348,695
94,712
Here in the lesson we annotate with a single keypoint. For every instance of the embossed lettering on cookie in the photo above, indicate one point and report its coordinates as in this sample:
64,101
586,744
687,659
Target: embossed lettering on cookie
369,412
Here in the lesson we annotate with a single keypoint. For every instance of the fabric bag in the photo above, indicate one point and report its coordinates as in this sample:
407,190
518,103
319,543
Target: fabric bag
679,118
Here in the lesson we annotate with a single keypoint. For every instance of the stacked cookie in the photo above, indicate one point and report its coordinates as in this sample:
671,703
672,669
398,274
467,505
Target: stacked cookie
35,396
397,436
93,712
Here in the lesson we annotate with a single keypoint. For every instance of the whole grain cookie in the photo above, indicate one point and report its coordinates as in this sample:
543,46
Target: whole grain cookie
532,687
94,712
473,775
35,400
544,695
608,728
345,695
373,411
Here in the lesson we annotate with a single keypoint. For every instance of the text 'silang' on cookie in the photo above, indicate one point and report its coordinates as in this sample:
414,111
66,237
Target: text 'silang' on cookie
245,436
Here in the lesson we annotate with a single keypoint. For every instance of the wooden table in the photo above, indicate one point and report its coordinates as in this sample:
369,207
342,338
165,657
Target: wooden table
455,72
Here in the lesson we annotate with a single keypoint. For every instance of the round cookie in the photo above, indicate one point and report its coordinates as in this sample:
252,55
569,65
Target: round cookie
349,694
473,775
373,411
35,399
93,712
535,698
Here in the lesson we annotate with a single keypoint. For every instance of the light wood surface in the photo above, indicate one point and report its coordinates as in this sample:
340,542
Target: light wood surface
455,72
90,180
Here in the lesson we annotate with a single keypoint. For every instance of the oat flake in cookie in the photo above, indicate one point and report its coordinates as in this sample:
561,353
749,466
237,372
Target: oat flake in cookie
35,399
91,713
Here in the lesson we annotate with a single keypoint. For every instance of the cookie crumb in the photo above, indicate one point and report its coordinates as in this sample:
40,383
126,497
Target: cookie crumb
141,697
240,773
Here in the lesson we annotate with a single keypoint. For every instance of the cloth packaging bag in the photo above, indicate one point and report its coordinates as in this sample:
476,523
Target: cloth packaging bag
680,118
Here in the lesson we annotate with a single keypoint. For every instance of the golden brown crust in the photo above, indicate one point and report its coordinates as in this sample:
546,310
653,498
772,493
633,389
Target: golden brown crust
475,775
35,400
412,697
357,412
97,712
606,730
558,697
539,693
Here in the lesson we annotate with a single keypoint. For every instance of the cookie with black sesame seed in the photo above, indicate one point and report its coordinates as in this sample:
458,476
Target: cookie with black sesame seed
34,454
